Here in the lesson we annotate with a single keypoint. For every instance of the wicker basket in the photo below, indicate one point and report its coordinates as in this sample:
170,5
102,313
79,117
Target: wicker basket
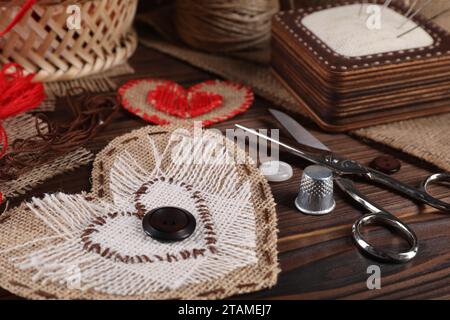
43,44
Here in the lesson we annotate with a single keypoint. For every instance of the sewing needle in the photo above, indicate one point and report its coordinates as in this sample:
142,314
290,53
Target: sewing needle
361,7
409,17
432,18
386,4
411,8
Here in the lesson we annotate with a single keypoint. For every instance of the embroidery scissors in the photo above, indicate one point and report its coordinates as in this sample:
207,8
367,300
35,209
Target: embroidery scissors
311,149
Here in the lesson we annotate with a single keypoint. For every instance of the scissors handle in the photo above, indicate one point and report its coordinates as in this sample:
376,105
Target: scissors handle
381,217
417,194
385,219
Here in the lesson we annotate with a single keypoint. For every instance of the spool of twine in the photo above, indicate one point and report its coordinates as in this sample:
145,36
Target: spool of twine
225,25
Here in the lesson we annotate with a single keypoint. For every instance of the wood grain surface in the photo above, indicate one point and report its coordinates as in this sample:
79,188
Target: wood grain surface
316,254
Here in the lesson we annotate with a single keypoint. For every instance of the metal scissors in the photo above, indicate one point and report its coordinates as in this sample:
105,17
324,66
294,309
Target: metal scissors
311,149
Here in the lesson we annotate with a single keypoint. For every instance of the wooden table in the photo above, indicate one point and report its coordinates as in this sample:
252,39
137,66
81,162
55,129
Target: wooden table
316,254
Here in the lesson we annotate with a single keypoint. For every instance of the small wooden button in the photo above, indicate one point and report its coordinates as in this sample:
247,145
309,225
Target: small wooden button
169,224
386,164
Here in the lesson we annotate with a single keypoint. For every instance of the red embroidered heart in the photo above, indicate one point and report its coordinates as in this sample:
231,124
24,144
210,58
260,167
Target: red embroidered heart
157,102
173,99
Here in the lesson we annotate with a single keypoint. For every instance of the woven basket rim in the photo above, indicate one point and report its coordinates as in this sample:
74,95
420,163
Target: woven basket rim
100,45
14,3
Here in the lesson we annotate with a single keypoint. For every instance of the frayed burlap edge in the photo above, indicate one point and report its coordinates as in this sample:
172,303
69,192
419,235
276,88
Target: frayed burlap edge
24,126
242,280
37,176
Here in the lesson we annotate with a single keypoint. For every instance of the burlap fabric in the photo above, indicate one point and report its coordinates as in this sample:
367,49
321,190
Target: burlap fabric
22,127
420,132
99,83
37,176
37,237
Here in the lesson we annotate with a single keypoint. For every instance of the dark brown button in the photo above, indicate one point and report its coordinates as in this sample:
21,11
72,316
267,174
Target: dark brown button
386,164
169,224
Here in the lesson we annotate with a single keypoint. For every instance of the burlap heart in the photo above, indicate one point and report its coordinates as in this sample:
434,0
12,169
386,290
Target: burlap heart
164,102
93,246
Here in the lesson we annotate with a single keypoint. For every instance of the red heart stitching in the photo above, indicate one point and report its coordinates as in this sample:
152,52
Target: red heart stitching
135,98
173,99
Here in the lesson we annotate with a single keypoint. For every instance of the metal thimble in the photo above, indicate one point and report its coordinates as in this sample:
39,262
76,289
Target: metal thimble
316,191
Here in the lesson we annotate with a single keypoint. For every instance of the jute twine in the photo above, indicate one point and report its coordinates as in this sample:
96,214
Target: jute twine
225,25
32,227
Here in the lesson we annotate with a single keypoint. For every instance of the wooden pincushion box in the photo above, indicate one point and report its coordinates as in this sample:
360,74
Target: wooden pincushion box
352,65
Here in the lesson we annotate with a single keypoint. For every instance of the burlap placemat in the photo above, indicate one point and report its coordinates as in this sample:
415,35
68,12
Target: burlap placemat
99,83
257,75
25,126
92,246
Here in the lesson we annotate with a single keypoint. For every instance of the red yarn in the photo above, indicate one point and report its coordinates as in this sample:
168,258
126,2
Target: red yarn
14,83
17,94
173,99
26,6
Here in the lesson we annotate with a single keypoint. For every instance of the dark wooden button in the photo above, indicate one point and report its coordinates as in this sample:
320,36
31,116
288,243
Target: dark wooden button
169,224
386,164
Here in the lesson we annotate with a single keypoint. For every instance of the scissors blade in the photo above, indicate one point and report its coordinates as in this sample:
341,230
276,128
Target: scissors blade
301,152
297,131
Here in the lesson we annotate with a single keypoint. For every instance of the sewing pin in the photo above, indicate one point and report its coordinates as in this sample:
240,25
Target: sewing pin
291,4
411,8
409,17
361,7
386,4
432,18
